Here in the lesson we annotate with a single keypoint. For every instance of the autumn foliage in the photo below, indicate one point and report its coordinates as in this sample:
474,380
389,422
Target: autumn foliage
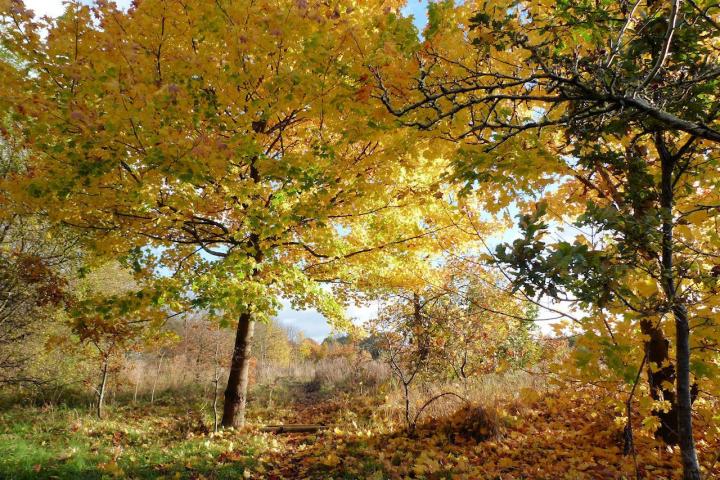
522,197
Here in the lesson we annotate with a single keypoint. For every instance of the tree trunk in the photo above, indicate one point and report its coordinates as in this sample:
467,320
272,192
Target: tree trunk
408,422
236,391
216,383
101,389
215,404
691,467
157,376
657,350
186,341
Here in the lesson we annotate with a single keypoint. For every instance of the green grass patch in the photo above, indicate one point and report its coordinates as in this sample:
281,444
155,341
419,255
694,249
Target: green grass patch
142,442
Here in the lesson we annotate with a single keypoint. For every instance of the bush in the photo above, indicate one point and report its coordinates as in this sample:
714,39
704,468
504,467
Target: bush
472,422
341,373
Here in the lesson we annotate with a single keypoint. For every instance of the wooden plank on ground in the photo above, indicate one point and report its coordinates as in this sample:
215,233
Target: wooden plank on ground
298,428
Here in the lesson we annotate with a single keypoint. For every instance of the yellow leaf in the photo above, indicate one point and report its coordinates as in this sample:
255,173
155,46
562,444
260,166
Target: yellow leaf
505,462
331,460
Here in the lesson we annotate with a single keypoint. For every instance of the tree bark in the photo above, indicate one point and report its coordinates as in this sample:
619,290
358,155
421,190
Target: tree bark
236,391
101,389
216,383
691,467
157,376
660,372
410,426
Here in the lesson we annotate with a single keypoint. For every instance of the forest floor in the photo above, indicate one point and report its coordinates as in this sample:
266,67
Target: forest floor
543,437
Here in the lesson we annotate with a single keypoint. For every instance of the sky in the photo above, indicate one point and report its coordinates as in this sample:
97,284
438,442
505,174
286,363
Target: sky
52,8
418,9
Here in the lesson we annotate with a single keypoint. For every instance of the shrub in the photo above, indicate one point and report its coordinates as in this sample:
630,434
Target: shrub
472,422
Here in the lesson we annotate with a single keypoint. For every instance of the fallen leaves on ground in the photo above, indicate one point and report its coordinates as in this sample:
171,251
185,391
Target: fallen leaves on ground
552,435
555,436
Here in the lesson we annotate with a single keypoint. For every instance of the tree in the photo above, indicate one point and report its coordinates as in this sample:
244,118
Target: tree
271,347
109,314
624,94
496,69
30,292
406,344
454,331
647,260
485,327
37,258
229,143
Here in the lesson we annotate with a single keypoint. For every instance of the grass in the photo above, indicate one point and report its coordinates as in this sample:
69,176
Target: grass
555,434
170,439
140,442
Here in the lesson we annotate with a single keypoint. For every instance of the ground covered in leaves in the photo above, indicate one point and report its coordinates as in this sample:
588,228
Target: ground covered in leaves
547,437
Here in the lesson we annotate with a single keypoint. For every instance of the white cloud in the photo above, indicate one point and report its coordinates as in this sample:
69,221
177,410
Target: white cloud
362,313
51,8
314,325
54,8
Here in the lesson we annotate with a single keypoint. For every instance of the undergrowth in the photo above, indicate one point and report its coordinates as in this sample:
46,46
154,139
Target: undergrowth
546,435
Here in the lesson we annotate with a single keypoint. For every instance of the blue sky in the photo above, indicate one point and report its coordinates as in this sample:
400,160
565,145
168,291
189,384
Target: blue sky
418,9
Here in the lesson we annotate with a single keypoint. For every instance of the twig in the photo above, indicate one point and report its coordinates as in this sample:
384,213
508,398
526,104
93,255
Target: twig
436,397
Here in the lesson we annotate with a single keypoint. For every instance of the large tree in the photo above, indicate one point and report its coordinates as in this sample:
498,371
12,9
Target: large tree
622,95
229,145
